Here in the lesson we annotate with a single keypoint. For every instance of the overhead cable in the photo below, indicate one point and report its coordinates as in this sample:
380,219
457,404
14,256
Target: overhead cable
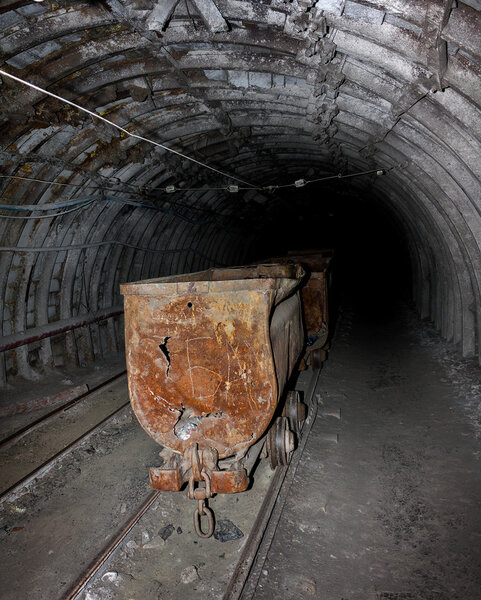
126,131
80,204
65,183
66,248
229,188
58,214
33,207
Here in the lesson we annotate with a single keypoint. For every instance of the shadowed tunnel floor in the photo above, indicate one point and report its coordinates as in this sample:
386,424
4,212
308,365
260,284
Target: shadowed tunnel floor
392,510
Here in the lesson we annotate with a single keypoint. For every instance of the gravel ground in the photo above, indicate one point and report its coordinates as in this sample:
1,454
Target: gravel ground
391,511
50,533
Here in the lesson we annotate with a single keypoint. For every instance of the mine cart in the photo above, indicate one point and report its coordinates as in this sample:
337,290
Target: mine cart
315,299
315,292
208,357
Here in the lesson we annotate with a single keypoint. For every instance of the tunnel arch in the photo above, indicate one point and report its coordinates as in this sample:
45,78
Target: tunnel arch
267,91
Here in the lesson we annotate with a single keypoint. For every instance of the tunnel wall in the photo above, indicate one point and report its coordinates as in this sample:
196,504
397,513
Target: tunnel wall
266,91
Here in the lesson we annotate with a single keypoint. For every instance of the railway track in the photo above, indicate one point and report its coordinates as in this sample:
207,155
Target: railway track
247,571
91,584
36,448
47,417
114,531
110,548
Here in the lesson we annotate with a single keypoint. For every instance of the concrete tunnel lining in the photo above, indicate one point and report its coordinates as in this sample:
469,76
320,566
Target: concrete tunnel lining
282,90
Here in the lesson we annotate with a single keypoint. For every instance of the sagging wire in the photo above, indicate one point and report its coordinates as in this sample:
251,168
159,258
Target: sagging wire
170,189
66,183
33,207
230,188
58,214
80,204
67,248
126,131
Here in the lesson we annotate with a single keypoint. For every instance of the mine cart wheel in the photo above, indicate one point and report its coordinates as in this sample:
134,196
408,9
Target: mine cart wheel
280,442
295,410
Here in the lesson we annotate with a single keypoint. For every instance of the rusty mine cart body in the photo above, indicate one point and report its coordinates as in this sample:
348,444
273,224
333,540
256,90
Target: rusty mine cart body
315,292
315,298
208,357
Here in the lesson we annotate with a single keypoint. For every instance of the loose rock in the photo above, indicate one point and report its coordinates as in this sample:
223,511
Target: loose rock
226,531
189,574
111,576
156,542
166,531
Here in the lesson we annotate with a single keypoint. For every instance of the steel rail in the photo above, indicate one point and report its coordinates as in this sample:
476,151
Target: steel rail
104,554
265,521
19,434
13,491
262,530
246,574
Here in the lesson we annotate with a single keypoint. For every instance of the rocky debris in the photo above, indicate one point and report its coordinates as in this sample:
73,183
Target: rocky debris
226,531
112,577
13,509
154,544
124,582
189,574
100,594
130,548
166,531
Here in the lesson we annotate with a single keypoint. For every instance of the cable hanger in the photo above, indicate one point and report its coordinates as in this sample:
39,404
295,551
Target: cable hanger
169,189
230,188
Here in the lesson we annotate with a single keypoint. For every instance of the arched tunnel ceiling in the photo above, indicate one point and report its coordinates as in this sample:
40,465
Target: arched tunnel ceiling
268,91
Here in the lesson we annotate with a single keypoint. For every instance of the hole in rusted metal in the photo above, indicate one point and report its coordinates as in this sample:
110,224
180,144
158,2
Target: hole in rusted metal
186,424
166,353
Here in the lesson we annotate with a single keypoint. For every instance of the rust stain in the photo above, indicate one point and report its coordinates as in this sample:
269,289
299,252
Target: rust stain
208,355
200,358
26,169
315,292
116,108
